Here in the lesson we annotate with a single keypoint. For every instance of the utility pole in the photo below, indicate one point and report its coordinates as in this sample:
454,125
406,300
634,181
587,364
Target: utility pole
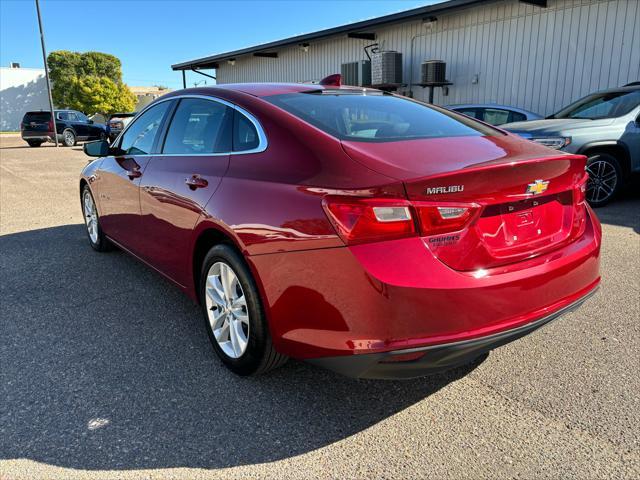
46,73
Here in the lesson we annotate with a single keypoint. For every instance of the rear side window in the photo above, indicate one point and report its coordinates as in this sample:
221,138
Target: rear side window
375,117
36,117
199,126
496,116
139,137
245,135
64,116
517,117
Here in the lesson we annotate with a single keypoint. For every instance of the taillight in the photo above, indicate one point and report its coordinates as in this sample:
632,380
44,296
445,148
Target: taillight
580,207
359,220
51,125
444,218
580,191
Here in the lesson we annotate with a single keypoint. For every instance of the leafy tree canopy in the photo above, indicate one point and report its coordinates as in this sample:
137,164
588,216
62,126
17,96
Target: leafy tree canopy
90,82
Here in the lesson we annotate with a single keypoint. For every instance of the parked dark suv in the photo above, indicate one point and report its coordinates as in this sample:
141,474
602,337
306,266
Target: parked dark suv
72,126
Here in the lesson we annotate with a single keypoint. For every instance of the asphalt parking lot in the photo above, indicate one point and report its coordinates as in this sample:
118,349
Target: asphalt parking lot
106,371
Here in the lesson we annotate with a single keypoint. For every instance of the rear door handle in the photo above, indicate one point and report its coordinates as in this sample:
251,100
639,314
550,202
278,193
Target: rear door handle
196,181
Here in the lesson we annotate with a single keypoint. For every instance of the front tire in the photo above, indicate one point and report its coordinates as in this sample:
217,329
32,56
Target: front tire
97,238
233,314
68,138
605,179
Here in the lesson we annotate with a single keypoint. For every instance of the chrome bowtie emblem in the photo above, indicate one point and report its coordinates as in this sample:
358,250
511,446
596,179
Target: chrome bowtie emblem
537,187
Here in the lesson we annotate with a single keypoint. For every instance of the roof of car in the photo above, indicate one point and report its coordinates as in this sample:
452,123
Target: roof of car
267,89
632,88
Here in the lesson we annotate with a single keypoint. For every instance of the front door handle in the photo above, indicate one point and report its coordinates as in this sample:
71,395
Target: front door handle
196,181
134,173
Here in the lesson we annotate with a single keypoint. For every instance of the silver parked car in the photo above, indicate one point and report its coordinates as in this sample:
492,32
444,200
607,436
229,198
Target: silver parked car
495,114
604,126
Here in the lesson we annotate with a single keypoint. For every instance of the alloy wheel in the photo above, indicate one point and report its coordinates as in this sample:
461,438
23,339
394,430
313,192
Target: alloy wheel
603,180
69,138
90,216
227,310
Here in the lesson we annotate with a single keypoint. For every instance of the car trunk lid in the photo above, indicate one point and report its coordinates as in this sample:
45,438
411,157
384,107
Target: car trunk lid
487,202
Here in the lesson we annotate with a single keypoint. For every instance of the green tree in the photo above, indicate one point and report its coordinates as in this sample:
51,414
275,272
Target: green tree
90,82
100,95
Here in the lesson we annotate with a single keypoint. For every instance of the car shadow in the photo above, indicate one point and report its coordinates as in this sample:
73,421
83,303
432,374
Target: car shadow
624,210
105,365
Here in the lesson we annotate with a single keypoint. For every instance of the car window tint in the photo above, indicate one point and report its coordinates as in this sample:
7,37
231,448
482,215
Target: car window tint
72,117
376,117
495,116
139,137
245,135
81,117
64,116
37,117
198,126
470,112
517,117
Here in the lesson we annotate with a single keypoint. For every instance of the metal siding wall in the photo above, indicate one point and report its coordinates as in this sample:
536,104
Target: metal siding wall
535,58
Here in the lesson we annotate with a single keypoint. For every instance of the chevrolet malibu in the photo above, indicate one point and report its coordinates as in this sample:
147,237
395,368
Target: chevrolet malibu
367,233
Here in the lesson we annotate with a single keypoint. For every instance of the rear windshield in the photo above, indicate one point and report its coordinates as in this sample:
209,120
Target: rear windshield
37,117
376,117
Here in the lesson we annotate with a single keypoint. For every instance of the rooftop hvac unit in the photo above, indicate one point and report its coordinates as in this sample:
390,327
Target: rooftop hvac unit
386,68
356,73
433,72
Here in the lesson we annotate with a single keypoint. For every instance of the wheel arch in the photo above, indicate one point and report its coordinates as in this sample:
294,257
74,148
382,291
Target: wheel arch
207,236
618,149
83,183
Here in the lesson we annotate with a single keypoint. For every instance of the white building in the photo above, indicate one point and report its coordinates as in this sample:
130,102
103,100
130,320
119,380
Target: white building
534,54
21,90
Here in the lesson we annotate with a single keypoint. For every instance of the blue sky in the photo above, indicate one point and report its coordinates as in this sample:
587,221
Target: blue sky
148,36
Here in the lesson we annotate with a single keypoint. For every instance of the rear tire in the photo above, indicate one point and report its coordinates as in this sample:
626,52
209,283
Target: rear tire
235,306
34,143
605,179
68,138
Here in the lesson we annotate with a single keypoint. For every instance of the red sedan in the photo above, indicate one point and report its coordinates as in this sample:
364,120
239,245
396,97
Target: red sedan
365,232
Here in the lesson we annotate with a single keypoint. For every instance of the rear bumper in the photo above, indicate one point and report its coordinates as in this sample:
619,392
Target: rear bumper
38,136
396,296
436,358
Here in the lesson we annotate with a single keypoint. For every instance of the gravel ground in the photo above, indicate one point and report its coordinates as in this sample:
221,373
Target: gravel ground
106,372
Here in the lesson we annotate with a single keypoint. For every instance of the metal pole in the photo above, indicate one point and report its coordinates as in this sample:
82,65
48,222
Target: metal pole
184,80
46,72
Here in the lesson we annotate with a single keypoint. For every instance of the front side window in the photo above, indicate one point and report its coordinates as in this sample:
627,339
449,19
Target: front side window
469,112
199,126
377,117
602,105
139,137
81,117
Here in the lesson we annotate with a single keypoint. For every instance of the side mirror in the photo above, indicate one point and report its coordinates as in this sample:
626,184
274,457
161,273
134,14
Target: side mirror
99,148
90,122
